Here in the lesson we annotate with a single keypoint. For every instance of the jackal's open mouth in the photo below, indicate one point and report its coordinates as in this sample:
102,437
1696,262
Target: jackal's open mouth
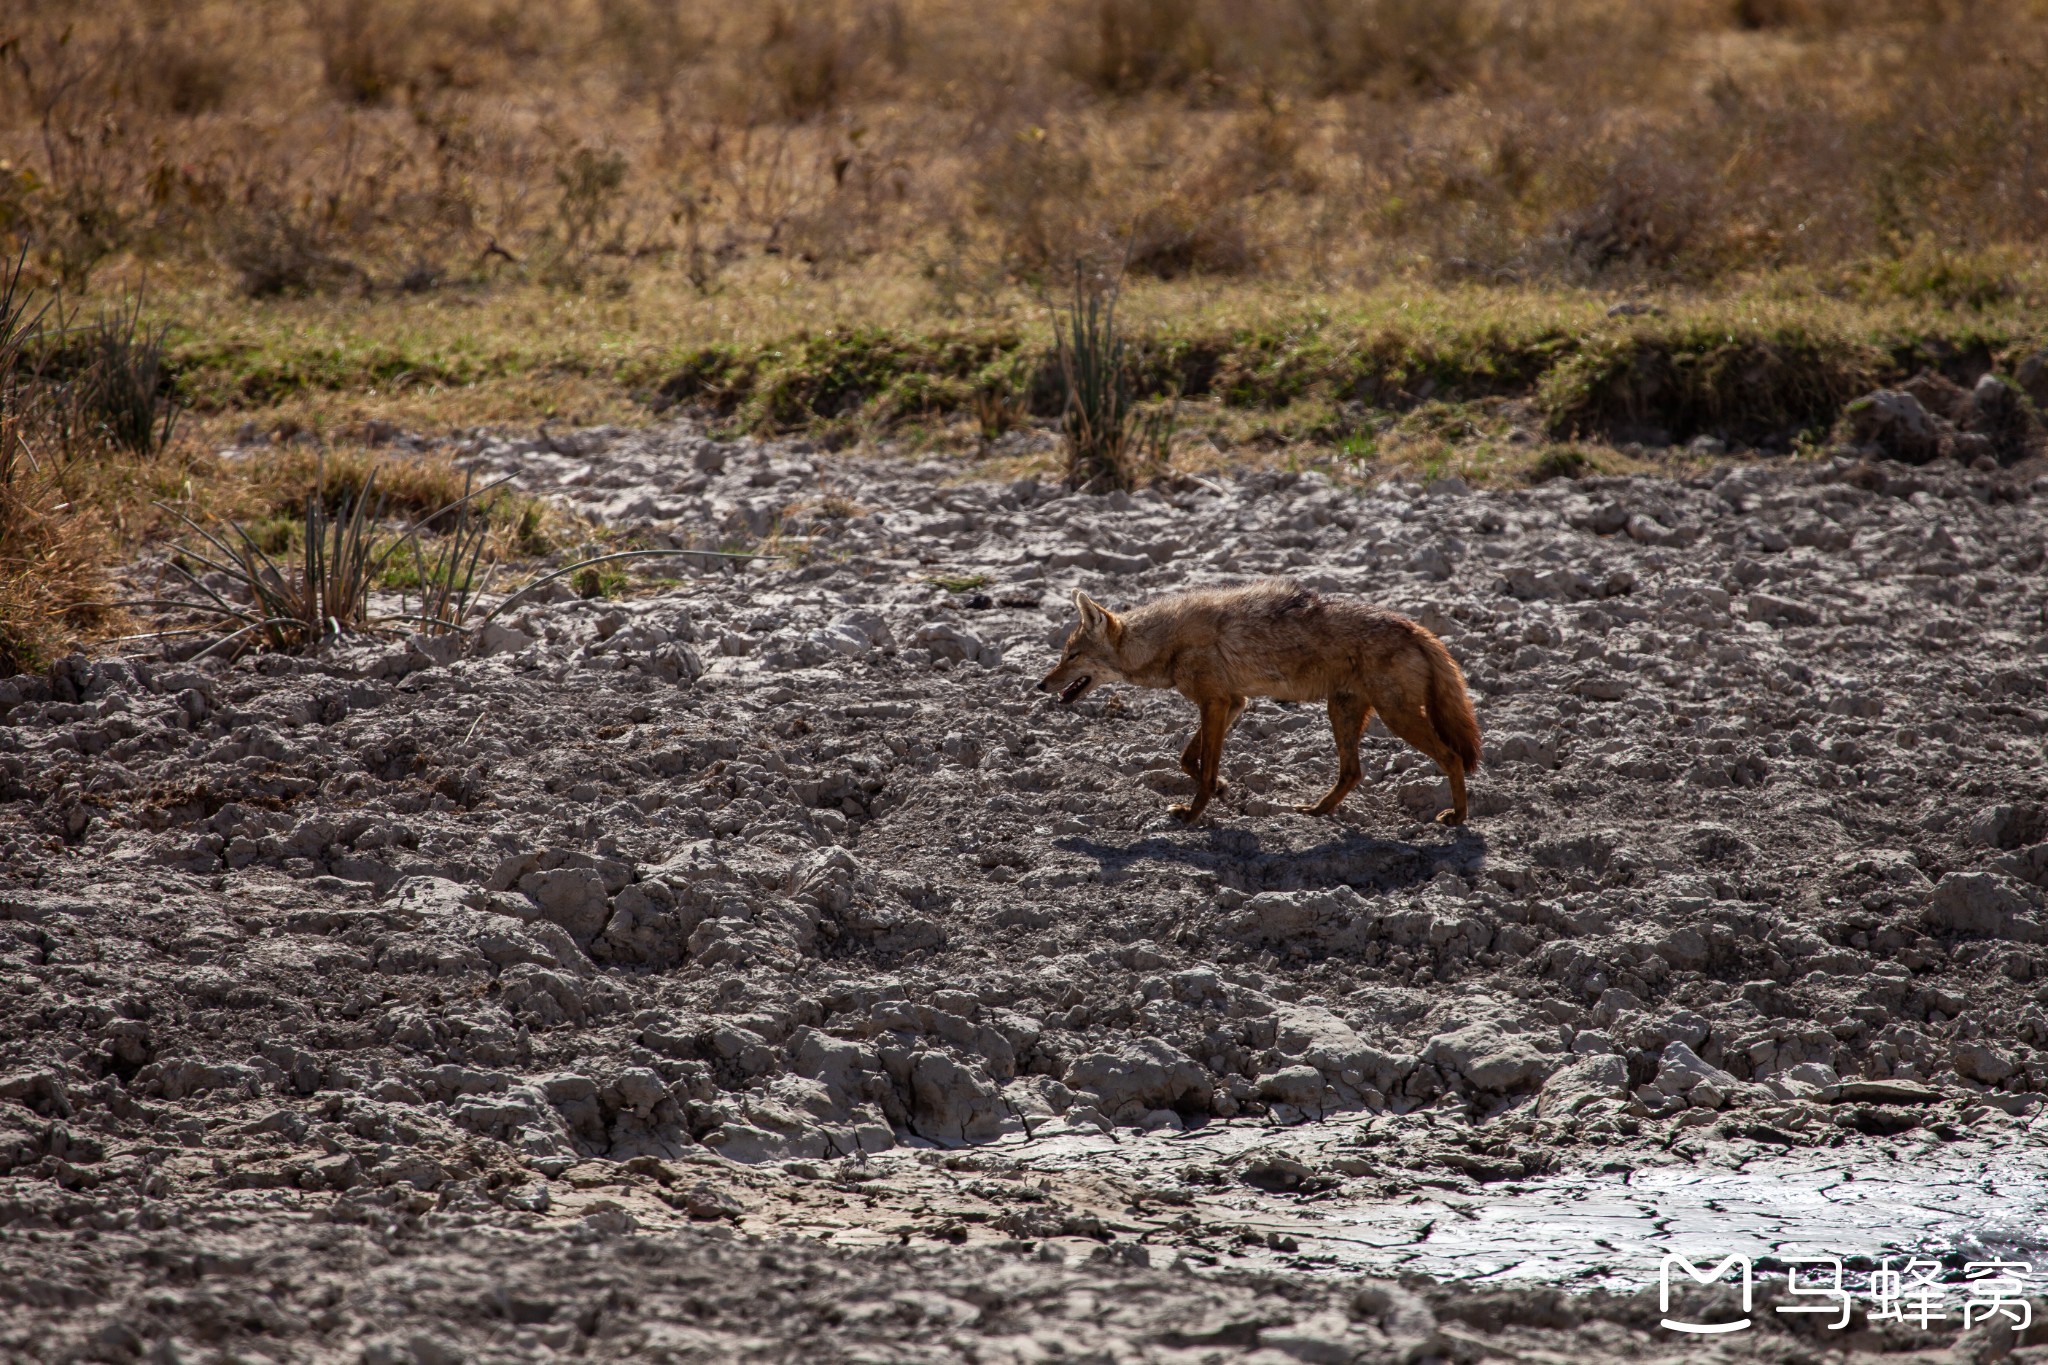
1076,688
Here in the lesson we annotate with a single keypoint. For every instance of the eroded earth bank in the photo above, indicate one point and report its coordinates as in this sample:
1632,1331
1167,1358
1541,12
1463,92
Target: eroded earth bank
756,967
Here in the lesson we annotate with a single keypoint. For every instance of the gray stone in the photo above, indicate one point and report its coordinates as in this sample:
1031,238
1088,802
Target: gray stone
1979,1062
1540,750
1896,425
1779,611
2004,825
1296,1085
2029,865
1313,1035
954,1101
1999,413
496,638
1327,1338
947,641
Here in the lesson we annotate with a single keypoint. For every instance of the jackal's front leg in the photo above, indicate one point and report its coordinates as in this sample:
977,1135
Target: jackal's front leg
1208,747
1191,756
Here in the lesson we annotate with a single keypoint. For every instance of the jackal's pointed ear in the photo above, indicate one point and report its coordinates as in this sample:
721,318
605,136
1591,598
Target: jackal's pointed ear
1097,619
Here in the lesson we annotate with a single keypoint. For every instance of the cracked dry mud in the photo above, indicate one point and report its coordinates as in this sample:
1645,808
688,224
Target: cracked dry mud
756,968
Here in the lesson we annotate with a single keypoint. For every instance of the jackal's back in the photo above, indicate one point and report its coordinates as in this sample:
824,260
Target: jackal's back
1273,638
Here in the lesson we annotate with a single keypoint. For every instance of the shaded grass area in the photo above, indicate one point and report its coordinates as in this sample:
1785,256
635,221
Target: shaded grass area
1762,367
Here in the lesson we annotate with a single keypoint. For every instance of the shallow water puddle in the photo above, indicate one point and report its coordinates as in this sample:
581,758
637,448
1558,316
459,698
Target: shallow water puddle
1858,1203
1612,1230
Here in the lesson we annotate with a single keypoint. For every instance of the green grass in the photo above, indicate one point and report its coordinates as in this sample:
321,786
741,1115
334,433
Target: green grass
402,574
1263,366
607,581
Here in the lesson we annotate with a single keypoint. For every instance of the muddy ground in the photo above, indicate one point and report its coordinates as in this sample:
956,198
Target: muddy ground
755,967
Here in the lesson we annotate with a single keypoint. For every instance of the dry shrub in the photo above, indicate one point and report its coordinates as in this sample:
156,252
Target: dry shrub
1393,46
1186,234
373,51
1030,185
276,247
1650,217
185,74
311,145
1122,47
814,53
652,45
362,46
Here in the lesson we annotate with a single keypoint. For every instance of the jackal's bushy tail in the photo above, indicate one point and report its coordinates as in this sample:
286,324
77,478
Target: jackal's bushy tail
1450,708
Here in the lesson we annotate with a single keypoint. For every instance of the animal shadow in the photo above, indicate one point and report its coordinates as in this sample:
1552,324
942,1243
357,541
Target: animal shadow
1248,861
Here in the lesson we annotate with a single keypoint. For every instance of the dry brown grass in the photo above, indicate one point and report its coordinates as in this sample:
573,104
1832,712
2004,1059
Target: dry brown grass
52,586
405,144
83,424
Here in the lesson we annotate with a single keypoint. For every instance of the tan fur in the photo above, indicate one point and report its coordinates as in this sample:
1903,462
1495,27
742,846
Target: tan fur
1221,647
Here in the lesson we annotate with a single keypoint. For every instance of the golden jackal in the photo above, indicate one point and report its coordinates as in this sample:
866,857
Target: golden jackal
1277,639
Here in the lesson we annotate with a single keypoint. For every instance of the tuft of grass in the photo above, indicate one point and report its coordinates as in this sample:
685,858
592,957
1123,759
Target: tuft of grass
277,535
448,581
326,595
529,533
596,581
966,582
125,388
1560,462
1109,443
443,557
1946,276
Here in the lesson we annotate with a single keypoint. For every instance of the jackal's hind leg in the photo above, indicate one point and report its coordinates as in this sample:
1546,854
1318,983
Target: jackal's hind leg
1414,727
1456,814
1348,715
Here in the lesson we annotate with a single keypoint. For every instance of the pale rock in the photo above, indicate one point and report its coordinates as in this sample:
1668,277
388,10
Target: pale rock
1489,1057
1600,1076
1680,1070
1142,1071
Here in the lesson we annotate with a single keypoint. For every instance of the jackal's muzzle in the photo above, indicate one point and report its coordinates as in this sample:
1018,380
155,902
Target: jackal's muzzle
1068,690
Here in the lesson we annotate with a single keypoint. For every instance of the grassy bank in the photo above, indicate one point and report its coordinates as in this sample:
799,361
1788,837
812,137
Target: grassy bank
1498,384
1263,366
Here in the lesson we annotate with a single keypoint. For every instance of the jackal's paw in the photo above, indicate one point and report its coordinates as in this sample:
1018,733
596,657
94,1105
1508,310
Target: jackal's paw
1314,808
1449,817
1184,814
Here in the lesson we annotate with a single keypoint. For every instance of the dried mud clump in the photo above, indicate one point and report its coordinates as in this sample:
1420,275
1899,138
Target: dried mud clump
772,897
